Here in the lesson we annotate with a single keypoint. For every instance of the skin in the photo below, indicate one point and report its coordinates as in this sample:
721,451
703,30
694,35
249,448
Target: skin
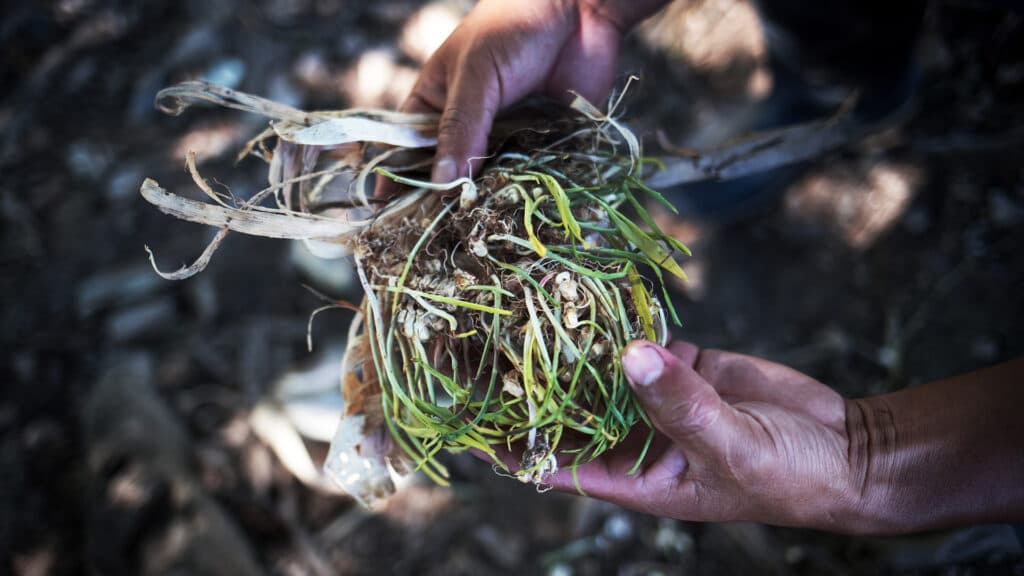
739,438
742,438
503,52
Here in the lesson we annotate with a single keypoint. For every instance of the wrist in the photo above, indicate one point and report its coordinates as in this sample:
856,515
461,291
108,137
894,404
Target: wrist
870,500
938,455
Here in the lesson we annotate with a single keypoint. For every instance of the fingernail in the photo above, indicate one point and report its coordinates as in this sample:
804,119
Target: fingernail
444,171
642,363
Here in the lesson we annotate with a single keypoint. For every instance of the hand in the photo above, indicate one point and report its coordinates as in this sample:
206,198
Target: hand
506,50
739,438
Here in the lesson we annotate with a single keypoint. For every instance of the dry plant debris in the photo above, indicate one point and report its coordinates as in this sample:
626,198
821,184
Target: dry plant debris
491,317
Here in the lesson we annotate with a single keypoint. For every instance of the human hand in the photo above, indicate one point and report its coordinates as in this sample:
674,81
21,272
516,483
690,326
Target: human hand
504,51
739,438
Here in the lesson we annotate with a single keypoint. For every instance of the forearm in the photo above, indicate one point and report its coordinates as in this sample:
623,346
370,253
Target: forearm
942,454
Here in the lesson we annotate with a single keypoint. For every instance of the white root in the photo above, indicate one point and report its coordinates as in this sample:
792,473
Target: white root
364,174
198,266
309,324
583,106
353,356
531,437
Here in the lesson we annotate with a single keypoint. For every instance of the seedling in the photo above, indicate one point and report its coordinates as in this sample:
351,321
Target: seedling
496,307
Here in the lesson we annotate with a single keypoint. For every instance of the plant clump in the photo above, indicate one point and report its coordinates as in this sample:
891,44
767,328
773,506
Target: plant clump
495,308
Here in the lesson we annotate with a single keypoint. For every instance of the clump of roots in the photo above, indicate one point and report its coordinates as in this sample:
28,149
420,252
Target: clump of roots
492,318
500,320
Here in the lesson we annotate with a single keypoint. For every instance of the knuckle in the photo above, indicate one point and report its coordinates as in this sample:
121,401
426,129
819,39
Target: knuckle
453,124
423,97
668,494
694,414
713,503
665,495
750,468
709,363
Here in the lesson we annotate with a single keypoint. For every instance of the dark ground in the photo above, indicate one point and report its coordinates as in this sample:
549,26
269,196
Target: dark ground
126,443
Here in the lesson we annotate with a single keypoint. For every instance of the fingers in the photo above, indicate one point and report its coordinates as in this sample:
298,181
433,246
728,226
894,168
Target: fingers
420,100
468,96
466,120
598,45
742,378
601,479
680,403
687,353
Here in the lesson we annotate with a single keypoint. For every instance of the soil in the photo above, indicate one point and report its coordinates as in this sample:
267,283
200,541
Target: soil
125,431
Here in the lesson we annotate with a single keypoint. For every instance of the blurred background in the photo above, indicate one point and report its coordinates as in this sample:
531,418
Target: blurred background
157,427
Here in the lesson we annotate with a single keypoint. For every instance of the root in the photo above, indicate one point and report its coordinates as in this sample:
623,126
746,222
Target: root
490,319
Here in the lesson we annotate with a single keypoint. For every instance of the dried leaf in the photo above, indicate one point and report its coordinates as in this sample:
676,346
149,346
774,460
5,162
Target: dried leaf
258,222
364,476
336,131
176,99
583,106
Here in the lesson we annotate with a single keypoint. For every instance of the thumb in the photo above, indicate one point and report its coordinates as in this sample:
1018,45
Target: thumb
681,404
466,120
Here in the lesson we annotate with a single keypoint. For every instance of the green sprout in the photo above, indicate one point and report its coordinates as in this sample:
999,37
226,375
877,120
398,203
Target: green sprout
492,319
501,319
